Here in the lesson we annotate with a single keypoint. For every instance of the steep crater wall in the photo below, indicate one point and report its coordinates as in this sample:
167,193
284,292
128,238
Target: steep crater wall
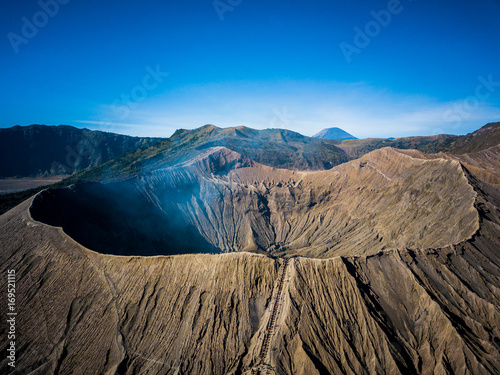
220,201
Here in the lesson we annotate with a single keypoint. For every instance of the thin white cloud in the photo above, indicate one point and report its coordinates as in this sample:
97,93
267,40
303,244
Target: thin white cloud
107,123
305,107
138,130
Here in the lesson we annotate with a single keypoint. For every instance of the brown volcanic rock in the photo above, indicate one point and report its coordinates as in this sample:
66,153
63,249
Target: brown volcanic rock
385,200
84,312
483,165
481,139
425,310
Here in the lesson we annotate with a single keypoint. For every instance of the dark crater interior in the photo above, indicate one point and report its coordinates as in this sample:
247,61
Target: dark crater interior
117,219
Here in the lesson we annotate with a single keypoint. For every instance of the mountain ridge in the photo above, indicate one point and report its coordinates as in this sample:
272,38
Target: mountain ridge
273,147
45,150
280,148
485,137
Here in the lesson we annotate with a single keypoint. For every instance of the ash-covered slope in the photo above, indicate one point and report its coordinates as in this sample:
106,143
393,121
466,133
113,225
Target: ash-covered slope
420,311
86,313
484,165
221,200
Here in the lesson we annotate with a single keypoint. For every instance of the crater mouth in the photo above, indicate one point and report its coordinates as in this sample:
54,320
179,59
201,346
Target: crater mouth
221,202
115,218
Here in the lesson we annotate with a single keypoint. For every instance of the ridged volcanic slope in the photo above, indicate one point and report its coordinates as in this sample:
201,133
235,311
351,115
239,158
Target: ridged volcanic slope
221,200
396,312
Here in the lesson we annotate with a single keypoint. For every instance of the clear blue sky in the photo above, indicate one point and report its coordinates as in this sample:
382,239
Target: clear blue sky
433,67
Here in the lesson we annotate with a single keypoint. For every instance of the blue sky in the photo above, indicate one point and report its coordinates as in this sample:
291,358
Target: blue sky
373,68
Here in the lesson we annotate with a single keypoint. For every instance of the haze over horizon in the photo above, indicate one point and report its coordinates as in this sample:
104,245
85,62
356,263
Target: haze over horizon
374,69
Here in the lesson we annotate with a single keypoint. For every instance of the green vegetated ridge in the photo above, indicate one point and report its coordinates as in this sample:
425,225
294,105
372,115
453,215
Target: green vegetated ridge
278,148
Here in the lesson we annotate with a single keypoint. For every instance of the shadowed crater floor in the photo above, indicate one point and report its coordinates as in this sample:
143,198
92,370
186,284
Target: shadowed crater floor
117,219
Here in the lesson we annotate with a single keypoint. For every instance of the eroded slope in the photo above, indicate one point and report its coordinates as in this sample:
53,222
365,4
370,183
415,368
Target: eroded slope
83,312
221,200
429,309
397,312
